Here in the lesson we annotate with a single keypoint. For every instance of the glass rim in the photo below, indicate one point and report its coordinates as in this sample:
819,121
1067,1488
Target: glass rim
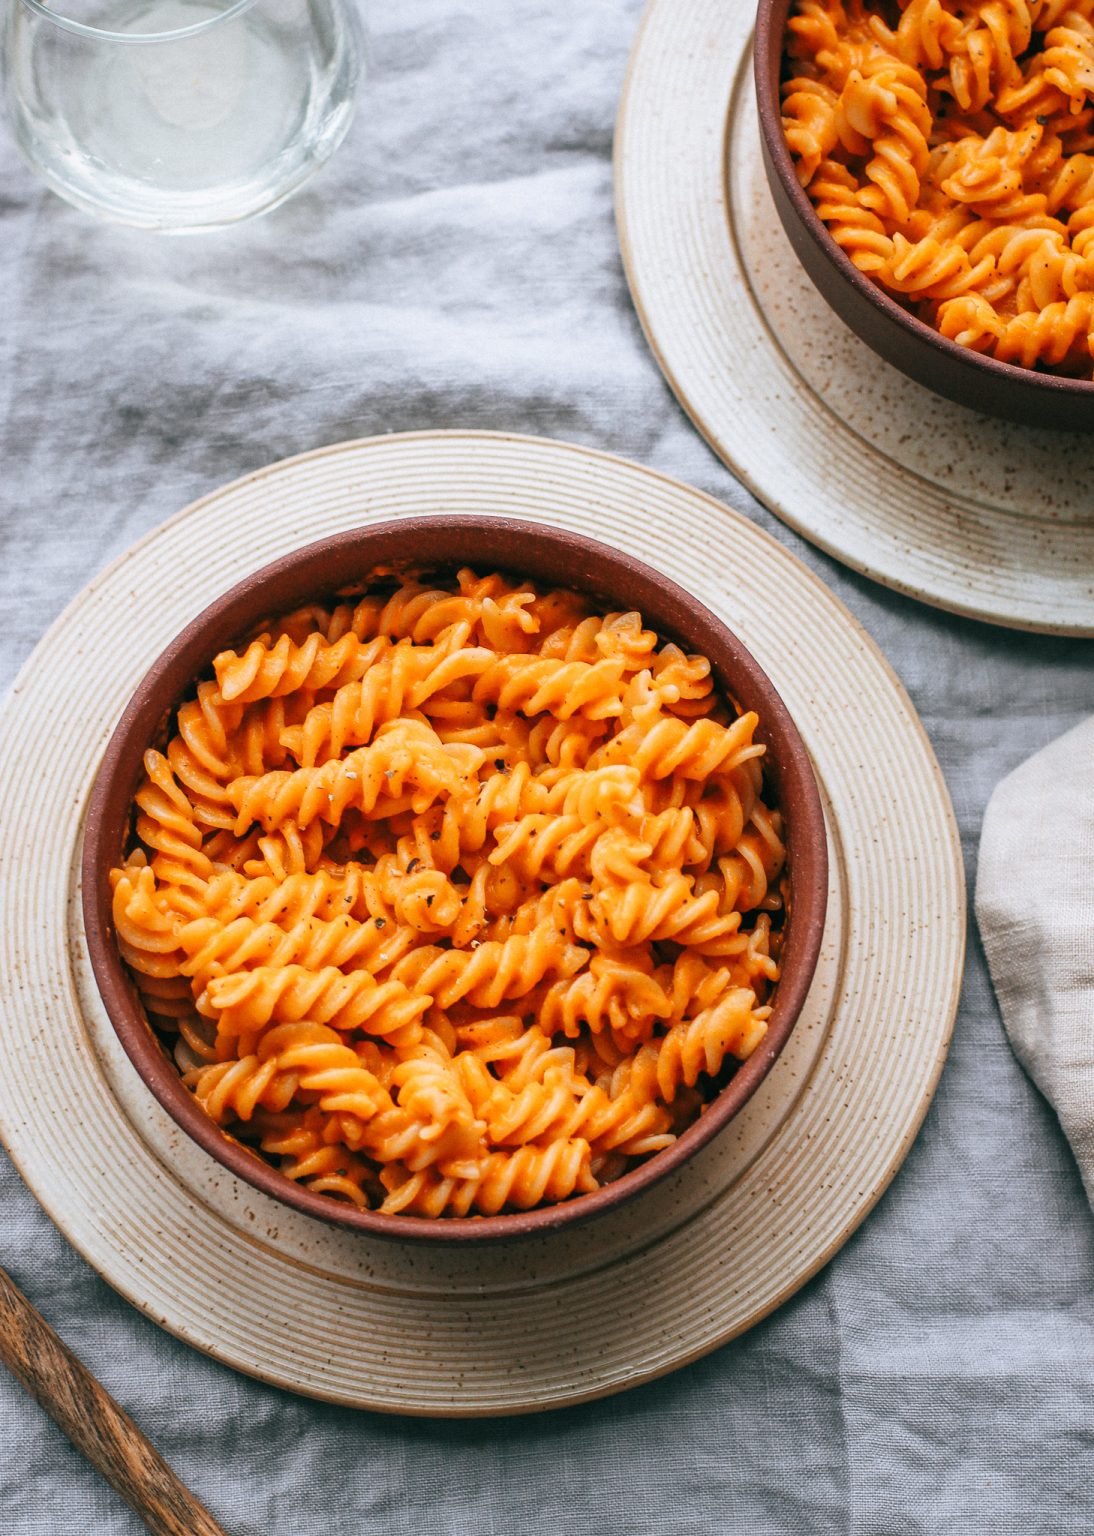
104,35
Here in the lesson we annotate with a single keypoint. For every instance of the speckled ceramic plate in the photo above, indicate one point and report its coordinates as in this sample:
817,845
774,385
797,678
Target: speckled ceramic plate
970,514
567,1316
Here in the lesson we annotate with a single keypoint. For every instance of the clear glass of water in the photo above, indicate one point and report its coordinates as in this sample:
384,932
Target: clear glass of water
179,114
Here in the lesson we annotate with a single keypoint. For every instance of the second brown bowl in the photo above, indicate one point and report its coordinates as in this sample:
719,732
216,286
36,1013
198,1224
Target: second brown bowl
999,389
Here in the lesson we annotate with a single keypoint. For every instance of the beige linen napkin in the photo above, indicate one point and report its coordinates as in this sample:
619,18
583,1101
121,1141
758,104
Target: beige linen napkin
1035,907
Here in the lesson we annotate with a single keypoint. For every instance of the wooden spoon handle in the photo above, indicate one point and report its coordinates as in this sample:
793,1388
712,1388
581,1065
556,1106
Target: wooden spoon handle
93,1421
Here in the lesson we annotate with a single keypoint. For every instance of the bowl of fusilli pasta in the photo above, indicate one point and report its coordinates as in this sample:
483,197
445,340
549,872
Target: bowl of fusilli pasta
931,162
454,878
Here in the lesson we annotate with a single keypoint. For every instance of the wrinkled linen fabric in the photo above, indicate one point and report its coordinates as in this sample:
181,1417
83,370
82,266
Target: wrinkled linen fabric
456,266
1035,907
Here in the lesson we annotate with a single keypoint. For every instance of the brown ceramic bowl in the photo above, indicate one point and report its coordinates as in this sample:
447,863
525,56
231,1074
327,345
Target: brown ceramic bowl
999,389
543,554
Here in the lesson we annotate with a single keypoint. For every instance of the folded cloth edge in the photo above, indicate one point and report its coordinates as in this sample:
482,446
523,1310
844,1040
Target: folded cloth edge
1035,911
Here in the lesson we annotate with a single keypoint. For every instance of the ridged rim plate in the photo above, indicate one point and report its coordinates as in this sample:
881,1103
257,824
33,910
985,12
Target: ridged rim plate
569,1316
980,517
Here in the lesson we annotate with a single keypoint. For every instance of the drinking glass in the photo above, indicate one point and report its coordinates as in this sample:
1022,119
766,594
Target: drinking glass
179,114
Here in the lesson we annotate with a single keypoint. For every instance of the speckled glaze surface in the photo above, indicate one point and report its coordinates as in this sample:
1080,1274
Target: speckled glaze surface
1017,394
561,1316
963,511
553,557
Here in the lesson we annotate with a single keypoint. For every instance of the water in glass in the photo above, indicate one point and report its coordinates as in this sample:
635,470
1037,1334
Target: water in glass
221,113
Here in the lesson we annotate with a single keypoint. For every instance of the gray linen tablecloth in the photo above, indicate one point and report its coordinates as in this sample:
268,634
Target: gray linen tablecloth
456,265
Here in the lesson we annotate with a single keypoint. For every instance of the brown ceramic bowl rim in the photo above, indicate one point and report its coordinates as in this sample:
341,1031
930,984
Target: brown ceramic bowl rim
769,104
352,552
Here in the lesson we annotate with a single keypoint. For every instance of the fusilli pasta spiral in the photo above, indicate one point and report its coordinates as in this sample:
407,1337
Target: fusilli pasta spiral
945,145
459,897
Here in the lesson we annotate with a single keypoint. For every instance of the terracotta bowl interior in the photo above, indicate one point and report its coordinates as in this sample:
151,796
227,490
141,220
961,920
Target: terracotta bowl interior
1000,389
545,555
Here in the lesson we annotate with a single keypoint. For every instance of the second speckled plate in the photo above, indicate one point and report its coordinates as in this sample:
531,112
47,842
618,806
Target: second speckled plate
966,513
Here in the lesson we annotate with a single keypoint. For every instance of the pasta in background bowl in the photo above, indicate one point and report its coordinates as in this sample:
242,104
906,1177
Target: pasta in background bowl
463,894
930,166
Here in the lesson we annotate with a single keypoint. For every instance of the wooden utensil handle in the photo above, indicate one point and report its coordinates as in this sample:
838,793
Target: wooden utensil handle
93,1421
